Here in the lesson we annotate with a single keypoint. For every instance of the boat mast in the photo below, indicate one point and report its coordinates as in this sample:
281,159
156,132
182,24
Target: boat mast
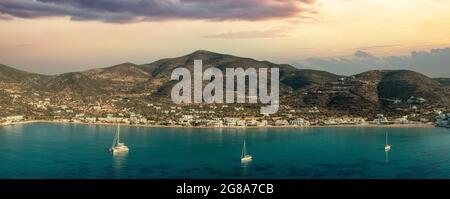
386,138
243,150
118,134
115,141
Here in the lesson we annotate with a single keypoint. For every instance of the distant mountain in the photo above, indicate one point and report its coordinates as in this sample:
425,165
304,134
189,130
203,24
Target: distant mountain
360,93
383,87
403,84
290,77
12,75
97,82
126,72
14,78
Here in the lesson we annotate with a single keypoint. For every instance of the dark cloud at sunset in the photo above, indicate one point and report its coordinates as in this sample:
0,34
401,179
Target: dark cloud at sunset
124,11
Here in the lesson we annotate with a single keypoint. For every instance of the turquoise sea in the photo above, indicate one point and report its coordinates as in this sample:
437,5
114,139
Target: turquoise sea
60,151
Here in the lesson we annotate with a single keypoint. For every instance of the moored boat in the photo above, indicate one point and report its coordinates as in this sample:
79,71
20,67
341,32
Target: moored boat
118,147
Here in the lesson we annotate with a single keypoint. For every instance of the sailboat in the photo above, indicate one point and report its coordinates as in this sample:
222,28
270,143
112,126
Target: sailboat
117,146
245,157
387,147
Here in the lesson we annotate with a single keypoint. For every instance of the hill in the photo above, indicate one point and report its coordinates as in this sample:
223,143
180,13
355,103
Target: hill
360,94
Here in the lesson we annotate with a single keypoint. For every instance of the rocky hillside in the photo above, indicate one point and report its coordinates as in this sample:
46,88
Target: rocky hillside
366,92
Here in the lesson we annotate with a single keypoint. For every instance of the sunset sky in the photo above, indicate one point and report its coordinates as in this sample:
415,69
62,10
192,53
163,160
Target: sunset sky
54,36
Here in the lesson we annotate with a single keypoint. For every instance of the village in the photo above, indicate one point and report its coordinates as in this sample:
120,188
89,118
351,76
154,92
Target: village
118,110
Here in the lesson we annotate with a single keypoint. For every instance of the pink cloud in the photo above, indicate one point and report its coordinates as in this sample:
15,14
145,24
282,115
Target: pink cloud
153,10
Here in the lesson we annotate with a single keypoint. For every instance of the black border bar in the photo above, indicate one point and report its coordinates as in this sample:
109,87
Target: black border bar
281,188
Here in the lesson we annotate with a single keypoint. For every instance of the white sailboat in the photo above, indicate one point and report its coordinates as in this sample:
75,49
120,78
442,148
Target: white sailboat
387,147
245,157
117,146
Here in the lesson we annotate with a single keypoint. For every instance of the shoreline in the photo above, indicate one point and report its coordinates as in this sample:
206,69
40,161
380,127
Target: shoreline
420,125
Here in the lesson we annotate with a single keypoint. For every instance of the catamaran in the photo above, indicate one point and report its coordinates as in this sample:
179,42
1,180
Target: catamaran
117,146
387,147
245,157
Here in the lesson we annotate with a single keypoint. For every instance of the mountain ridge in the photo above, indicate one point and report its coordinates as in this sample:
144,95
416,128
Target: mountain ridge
364,92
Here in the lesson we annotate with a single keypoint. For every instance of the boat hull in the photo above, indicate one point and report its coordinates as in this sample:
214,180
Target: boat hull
119,149
246,159
387,148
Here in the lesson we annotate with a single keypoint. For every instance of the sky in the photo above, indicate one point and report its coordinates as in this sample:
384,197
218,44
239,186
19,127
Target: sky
340,36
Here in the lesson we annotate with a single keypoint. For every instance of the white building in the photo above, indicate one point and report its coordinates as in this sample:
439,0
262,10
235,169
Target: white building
90,119
380,119
281,123
230,121
262,123
299,122
251,123
14,118
240,123
417,100
81,115
403,120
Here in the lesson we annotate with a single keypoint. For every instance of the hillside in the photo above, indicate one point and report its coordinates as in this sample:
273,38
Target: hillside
364,93
12,75
403,84
290,77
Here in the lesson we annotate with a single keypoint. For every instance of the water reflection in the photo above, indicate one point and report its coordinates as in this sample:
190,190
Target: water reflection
387,156
245,168
12,128
119,160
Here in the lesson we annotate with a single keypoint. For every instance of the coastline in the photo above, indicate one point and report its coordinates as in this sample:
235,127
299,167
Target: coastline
420,125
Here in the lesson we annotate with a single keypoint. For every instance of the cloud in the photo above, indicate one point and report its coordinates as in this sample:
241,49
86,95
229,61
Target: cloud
252,34
376,47
363,55
4,17
434,63
124,11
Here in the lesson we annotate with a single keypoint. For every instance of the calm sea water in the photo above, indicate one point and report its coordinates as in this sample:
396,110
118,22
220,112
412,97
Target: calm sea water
80,151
